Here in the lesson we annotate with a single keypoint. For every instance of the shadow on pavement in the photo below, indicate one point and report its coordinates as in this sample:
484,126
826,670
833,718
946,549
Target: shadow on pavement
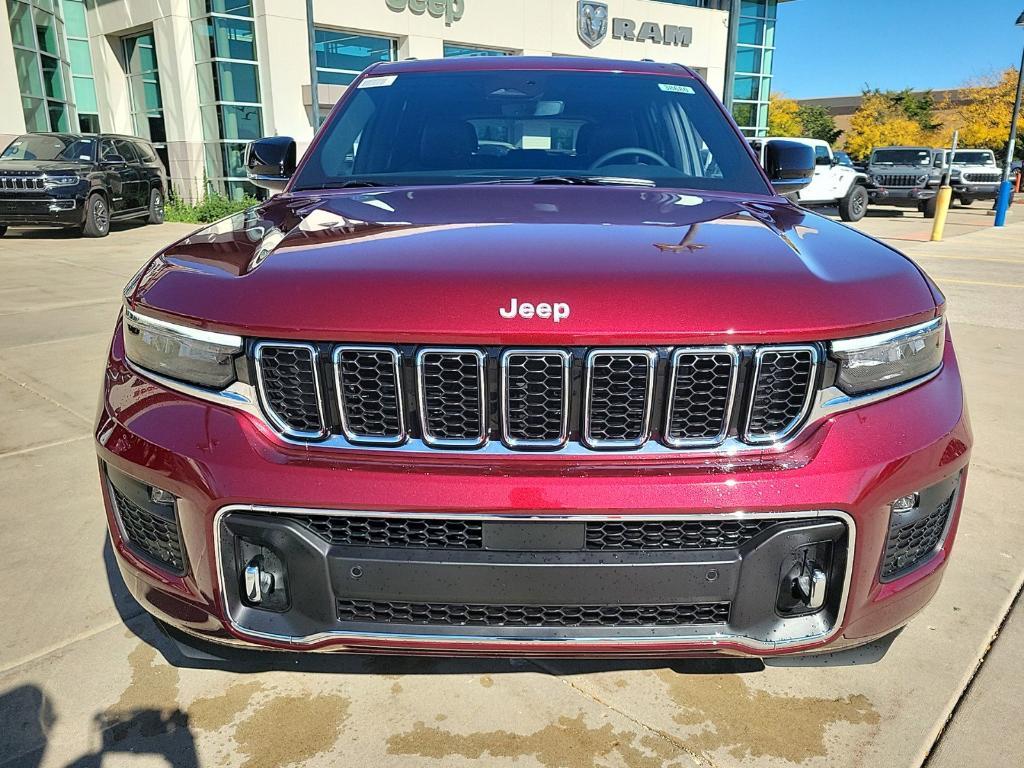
68,233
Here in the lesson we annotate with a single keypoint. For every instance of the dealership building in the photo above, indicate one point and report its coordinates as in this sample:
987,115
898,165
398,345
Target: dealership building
201,78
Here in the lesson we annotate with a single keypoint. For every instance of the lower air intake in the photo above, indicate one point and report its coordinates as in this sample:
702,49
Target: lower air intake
475,615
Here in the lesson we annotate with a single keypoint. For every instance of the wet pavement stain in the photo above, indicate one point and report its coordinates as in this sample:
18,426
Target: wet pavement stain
569,743
751,723
215,712
290,729
148,707
486,681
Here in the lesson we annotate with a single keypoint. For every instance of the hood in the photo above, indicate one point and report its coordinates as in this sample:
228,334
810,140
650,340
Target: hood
438,264
917,170
52,167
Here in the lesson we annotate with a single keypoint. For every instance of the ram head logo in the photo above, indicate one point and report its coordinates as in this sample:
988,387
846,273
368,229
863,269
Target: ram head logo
592,22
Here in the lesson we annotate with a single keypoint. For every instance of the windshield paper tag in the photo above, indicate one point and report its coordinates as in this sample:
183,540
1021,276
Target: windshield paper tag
378,82
673,88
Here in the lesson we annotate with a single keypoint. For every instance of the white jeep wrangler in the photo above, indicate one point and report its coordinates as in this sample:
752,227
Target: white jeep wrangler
833,183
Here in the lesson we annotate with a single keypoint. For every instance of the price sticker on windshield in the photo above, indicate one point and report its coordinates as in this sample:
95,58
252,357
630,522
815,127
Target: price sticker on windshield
673,88
383,81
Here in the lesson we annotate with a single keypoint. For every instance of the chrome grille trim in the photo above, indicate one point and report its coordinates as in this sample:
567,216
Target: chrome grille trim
670,404
812,388
275,418
22,183
446,442
346,429
588,378
566,363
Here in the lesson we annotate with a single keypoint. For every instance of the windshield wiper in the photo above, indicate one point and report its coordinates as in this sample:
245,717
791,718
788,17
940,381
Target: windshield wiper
348,184
584,180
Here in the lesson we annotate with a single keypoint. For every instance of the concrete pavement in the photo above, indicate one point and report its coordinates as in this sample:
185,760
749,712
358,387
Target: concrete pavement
84,676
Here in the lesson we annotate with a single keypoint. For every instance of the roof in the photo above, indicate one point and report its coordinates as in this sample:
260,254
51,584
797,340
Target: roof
504,63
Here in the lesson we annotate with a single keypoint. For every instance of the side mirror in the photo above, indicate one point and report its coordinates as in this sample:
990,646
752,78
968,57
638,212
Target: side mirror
270,162
789,165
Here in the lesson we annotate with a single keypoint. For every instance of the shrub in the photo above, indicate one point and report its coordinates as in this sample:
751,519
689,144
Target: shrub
212,207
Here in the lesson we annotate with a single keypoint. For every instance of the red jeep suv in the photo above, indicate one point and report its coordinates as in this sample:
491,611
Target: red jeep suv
530,356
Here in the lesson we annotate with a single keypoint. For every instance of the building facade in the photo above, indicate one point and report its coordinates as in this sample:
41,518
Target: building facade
201,78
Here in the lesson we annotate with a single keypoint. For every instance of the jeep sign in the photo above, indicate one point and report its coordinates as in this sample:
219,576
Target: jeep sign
451,10
592,26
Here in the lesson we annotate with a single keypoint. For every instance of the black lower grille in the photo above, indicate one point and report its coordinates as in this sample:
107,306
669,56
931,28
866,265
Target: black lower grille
675,535
398,532
155,534
476,615
911,544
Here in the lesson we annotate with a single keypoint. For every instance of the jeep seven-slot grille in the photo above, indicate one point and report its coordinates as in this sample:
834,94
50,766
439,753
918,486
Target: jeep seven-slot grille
536,399
22,183
982,178
897,180
478,615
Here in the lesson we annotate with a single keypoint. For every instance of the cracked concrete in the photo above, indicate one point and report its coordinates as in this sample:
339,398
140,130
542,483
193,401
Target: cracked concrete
85,677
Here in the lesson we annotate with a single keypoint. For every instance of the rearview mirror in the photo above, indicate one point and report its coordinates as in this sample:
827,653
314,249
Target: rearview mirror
789,165
270,162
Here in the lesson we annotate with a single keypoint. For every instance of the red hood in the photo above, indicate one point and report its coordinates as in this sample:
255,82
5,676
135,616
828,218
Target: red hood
436,264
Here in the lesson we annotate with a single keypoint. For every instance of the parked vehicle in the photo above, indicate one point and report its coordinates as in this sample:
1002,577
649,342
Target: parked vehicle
607,393
80,181
833,183
974,175
905,177
844,159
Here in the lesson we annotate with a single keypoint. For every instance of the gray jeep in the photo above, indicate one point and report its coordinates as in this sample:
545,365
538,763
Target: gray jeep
907,177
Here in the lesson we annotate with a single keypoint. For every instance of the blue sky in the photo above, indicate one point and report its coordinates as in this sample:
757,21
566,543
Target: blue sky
835,47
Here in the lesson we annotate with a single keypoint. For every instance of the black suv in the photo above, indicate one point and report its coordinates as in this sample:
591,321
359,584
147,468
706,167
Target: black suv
77,180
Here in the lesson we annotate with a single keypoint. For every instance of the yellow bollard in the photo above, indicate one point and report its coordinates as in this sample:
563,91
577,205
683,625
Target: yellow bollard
941,208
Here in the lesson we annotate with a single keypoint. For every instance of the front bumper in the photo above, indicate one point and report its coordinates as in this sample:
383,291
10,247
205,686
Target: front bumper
236,484
41,210
976,191
900,196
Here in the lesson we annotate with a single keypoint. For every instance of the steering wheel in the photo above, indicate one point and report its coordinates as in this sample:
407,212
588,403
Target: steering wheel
603,159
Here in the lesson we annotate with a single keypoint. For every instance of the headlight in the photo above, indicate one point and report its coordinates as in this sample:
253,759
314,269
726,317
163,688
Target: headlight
922,178
888,359
60,181
180,352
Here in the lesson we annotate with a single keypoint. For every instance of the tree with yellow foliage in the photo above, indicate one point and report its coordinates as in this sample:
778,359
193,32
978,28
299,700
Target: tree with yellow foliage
783,117
882,121
982,112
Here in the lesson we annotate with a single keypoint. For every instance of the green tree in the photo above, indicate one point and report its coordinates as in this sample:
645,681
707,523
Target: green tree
817,123
918,106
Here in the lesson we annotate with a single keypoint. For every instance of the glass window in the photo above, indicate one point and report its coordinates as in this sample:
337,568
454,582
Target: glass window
233,7
744,113
85,95
53,77
27,66
225,38
464,127
46,32
233,121
341,55
746,87
757,32
225,159
35,114
46,147
145,152
144,87
88,123
58,116
81,58
228,81
74,18
126,150
453,51
762,8
20,15
748,60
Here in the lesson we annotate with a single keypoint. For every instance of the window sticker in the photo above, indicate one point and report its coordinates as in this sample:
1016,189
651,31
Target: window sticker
673,88
378,82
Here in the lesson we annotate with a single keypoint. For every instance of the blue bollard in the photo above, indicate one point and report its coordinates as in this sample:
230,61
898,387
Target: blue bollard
1003,202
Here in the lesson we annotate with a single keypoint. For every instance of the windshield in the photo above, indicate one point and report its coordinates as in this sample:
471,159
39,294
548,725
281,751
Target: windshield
520,126
901,157
36,146
844,159
974,158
